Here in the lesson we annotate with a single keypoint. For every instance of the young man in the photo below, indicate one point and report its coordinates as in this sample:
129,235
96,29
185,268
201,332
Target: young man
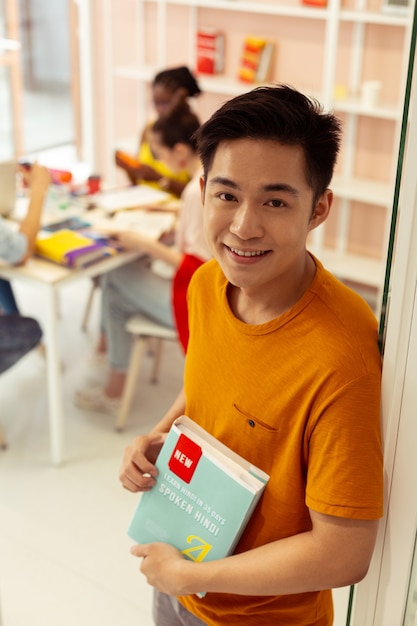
283,367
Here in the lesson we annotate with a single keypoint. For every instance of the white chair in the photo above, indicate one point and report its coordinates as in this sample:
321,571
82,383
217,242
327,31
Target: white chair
143,329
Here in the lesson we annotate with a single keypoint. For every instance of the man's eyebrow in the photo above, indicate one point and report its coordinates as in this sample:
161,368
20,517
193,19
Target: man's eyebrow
222,180
281,187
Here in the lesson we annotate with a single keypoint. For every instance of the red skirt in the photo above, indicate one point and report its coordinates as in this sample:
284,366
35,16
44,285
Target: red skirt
180,283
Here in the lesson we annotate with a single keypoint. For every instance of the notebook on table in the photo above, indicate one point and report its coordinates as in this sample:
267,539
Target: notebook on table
130,198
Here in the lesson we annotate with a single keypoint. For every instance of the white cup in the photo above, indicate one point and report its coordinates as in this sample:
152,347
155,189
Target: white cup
370,92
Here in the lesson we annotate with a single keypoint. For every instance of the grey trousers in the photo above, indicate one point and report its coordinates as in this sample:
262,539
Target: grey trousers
167,611
128,290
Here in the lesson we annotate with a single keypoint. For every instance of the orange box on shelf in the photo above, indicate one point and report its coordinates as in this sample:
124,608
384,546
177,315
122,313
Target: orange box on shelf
256,60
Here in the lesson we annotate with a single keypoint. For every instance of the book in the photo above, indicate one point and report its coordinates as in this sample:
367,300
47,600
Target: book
204,495
72,249
210,51
256,60
127,158
150,223
70,223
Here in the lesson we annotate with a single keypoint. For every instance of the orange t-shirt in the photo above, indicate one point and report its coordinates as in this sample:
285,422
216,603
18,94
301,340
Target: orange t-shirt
299,397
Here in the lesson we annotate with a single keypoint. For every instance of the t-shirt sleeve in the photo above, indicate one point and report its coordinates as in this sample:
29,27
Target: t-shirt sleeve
13,245
345,472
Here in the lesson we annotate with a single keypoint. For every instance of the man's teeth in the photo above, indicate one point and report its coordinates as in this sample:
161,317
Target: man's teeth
248,253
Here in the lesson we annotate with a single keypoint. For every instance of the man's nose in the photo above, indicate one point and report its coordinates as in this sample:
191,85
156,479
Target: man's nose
246,223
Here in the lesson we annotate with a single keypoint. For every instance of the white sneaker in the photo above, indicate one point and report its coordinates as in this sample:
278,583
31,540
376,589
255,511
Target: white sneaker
94,399
97,360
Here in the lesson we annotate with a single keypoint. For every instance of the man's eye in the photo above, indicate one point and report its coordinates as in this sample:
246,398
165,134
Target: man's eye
276,203
228,197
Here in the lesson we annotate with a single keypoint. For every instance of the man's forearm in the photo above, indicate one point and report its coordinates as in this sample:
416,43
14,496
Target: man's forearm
176,409
293,565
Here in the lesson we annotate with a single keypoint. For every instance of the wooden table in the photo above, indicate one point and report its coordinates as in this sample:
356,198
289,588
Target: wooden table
49,278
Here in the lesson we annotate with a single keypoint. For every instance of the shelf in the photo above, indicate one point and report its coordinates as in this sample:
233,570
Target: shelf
253,7
382,111
210,84
353,267
221,84
294,10
360,190
361,35
375,17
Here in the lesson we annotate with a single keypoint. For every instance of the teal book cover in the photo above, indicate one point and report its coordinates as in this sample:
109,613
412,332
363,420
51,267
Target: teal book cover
203,498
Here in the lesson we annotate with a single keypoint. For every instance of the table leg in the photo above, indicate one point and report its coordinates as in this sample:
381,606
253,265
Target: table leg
54,377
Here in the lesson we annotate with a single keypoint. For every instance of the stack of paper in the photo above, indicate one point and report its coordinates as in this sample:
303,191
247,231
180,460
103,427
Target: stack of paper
130,198
149,223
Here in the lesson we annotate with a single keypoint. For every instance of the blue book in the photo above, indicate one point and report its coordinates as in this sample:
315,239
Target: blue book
70,223
203,498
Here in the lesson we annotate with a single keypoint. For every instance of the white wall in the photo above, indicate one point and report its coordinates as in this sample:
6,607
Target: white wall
381,599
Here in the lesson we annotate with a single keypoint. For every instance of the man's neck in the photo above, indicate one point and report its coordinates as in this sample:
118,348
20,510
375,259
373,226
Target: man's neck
259,306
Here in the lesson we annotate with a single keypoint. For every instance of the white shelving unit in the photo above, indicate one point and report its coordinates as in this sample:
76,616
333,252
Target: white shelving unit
342,28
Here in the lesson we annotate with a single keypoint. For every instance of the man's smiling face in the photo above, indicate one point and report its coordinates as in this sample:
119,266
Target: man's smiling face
258,210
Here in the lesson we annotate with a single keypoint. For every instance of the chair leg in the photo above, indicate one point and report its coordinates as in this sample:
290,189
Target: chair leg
130,383
156,361
3,442
150,345
87,311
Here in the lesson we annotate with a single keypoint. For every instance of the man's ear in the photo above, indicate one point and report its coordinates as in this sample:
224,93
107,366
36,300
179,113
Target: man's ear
321,209
202,188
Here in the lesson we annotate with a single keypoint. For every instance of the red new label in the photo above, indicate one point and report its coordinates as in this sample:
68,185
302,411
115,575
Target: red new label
185,458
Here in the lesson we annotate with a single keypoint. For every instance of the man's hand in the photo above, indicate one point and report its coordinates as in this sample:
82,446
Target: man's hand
163,566
138,470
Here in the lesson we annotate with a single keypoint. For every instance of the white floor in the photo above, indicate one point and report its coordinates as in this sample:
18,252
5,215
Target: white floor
64,554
